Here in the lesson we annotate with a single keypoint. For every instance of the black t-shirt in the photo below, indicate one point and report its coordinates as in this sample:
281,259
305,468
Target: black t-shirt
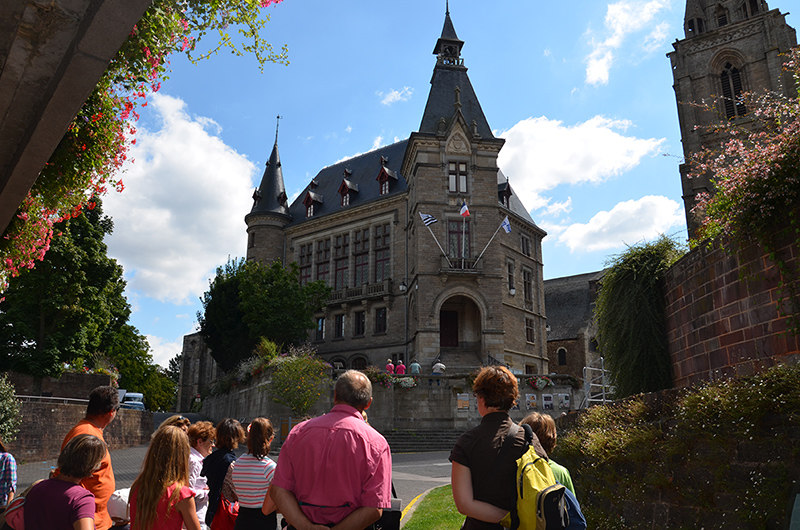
477,449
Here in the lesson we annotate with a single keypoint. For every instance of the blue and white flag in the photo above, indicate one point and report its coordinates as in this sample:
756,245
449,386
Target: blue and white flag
427,219
506,225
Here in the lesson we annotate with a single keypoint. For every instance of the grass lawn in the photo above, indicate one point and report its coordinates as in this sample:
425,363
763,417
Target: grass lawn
437,511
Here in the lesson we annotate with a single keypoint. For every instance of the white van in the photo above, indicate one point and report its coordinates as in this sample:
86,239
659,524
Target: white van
133,400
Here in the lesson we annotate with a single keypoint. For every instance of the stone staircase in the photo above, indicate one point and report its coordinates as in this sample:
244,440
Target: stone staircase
421,440
461,360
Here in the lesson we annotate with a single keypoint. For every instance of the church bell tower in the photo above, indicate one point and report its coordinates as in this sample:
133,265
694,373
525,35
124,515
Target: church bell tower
730,47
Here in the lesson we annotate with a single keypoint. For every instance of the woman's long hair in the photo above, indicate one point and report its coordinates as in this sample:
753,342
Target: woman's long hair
166,463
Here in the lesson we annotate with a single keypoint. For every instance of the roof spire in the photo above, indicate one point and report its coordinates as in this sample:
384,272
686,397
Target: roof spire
447,7
277,124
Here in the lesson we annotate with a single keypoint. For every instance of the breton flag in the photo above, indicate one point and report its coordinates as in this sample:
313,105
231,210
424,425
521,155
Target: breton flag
427,219
506,225
464,209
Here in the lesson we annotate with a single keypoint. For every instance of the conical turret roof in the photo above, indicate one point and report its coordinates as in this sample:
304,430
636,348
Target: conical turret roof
270,197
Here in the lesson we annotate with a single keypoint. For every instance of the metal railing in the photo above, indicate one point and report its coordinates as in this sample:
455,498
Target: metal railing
596,384
368,290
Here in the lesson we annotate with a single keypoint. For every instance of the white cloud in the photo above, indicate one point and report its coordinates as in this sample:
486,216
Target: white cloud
180,215
627,223
557,208
162,351
348,129
624,18
396,95
376,143
547,52
541,154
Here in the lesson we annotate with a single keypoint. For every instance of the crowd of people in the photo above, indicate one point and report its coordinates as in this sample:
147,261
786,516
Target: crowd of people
335,470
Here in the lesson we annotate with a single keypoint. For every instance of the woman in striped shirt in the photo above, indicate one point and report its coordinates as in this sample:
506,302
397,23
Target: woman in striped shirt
252,476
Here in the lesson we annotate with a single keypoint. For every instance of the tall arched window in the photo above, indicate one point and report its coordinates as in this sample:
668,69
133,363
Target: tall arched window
562,357
731,79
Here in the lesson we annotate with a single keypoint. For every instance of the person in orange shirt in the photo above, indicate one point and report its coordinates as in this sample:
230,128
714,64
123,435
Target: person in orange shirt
101,411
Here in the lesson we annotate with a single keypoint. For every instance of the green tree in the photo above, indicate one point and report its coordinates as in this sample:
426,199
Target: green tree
10,415
631,317
276,306
248,301
174,368
298,379
130,353
58,313
222,324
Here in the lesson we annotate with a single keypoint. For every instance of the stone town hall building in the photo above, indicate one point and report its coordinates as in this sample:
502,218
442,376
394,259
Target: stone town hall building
357,226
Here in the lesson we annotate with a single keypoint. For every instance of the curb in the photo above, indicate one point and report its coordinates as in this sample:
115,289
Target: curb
412,506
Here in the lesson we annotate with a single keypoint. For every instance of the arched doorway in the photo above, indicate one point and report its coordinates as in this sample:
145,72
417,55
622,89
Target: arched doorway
460,325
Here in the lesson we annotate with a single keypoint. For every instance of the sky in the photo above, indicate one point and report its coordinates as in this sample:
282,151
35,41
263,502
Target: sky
581,91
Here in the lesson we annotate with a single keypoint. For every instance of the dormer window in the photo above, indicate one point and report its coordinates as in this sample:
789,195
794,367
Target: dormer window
384,176
310,201
347,188
504,194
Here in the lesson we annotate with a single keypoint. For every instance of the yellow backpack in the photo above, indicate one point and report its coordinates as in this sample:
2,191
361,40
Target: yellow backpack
541,504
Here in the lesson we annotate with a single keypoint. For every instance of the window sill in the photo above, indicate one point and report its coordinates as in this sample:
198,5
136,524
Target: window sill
378,333
337,338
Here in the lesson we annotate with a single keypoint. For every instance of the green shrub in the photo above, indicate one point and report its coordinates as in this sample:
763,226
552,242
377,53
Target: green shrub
10,416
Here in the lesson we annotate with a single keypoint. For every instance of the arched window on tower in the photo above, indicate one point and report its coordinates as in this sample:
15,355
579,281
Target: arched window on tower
562,357
695,26
749,8
731,78
722,17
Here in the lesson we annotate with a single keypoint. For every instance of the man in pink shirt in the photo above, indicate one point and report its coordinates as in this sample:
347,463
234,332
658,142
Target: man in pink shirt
335,469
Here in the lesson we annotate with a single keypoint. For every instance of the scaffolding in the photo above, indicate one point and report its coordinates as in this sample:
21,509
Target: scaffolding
596,384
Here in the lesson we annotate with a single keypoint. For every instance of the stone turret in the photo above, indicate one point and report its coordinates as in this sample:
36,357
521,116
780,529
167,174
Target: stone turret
269,215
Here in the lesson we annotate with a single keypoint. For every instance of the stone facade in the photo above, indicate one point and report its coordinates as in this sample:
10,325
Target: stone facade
402,289
722,314
731,47
198,371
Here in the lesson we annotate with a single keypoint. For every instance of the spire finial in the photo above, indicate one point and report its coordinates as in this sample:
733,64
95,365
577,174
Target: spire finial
447,7
277,124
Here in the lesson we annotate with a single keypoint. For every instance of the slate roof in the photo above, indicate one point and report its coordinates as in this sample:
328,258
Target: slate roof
568,304
514,204
267,198
364,172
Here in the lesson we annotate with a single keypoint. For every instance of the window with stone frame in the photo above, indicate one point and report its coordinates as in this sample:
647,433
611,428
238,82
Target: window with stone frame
525,245
458,238
562,356
359,323
457,177
251,240
731,79
527,287
304,259
341,252
380,320
510,274
338,331
530,335
320,331
382,252
323,260
361,252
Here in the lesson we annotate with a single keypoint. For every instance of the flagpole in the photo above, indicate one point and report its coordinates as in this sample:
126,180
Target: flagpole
487,244
463,239
440,246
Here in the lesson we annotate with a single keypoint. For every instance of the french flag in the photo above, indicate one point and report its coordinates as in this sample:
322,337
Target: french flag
464,209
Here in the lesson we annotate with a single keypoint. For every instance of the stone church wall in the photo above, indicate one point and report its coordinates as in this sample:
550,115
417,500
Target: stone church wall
722,314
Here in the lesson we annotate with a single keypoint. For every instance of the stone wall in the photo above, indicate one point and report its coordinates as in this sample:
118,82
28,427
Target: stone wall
44,426
432,404
69,385
722,314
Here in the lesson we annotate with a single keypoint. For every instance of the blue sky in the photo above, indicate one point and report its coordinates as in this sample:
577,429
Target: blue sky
580,90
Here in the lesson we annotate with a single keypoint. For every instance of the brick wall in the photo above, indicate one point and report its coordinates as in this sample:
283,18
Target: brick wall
722,314
44,426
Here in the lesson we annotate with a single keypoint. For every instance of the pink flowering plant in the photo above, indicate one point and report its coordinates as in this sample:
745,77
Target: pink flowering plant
756,174
88,160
